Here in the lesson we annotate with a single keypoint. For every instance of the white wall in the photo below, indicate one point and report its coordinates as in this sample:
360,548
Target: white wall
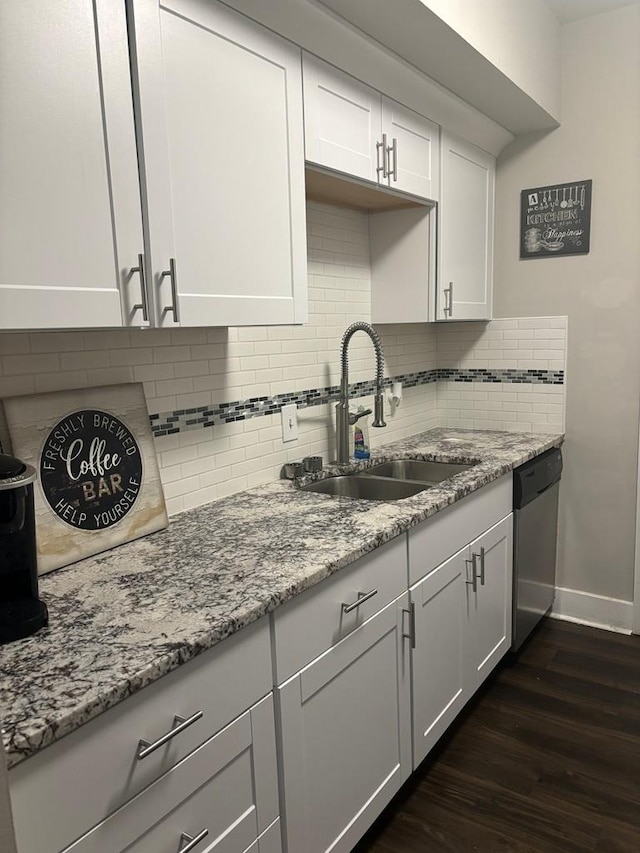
600,292
522,39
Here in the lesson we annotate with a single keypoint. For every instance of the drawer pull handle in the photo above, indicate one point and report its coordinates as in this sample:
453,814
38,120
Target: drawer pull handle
191,841
362,597
145,748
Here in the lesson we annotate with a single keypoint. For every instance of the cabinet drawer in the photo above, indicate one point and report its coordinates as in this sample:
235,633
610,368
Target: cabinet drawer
97,764
436,539
316,620
210,793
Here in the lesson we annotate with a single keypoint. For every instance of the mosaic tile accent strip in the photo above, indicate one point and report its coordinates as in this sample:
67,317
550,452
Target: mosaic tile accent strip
517,377
168,423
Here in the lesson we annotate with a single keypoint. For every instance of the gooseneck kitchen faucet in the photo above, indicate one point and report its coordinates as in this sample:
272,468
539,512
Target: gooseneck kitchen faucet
343,419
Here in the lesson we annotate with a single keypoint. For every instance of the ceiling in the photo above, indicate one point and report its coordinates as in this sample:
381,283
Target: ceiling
572,10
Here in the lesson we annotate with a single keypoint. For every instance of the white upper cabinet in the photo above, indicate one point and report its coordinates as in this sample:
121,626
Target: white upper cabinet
465,234
341,121
412,143
70,220
219,112
353,129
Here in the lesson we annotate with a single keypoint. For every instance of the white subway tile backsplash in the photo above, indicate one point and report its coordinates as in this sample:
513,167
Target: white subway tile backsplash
534,323
17,365
172,354
60,381
190,368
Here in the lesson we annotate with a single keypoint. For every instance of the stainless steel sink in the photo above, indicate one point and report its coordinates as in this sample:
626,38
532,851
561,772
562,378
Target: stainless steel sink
417,470
365,487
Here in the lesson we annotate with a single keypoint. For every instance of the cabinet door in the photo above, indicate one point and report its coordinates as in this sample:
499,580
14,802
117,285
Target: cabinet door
70,220
465,232
489,606
413,150
220,118
438,660
342,121
345,724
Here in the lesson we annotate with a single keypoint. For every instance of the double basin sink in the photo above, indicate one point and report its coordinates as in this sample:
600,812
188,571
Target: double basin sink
389,481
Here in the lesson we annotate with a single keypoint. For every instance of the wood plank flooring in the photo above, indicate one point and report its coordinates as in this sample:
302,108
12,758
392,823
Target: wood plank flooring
545,760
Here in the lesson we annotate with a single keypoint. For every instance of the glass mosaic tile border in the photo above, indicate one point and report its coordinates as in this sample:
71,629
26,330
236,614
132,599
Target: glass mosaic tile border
169,423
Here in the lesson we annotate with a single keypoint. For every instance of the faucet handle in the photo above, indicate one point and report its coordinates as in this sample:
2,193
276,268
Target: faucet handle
354,417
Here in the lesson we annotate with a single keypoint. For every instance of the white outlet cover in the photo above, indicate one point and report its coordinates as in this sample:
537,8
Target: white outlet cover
289,415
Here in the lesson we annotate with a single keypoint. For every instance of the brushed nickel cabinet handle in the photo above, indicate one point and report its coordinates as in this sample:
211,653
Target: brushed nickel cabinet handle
171,272
362,597
482,566
145,747
393,150
473,583
191,841
382,146
143,305
411,636
448,300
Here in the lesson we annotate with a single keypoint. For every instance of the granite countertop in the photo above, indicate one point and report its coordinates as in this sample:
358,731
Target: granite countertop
122,619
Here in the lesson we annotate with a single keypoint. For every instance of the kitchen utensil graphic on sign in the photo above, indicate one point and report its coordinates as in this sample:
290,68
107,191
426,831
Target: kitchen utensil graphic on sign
555,220
532,239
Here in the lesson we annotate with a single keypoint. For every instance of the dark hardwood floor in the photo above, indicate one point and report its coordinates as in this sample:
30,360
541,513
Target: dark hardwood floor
545,760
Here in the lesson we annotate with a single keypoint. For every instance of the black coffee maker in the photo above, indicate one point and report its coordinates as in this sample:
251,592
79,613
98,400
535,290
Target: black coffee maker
21,611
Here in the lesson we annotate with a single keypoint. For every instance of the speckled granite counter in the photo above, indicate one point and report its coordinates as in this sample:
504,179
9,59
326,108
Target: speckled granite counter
125,618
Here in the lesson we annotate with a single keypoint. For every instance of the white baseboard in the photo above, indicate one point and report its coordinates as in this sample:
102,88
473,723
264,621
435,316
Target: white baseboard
611,614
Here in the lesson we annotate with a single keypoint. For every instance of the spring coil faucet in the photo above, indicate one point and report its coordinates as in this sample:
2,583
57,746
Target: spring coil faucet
342,408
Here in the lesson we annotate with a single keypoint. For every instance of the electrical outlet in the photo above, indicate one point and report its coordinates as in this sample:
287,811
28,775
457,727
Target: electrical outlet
289,416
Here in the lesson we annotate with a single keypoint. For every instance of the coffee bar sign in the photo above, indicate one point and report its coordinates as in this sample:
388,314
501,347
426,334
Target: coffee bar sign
555,220
91,469
98,477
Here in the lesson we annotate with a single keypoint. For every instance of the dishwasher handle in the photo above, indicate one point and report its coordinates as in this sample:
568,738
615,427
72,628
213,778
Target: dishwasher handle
536,477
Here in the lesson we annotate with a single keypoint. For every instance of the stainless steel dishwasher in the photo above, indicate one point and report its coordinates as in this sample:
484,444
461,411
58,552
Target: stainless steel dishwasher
536,486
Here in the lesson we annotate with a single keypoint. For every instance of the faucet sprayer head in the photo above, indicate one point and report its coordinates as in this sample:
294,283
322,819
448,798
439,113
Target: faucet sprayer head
378,406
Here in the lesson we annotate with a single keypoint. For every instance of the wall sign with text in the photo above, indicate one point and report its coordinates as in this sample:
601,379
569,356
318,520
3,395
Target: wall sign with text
98,478
555,220
91,469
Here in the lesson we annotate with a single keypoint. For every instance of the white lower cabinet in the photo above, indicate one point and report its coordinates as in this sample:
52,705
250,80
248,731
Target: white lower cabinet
462,630
371,667
96,791
345,728
226,793
440,687
488,601
345,722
